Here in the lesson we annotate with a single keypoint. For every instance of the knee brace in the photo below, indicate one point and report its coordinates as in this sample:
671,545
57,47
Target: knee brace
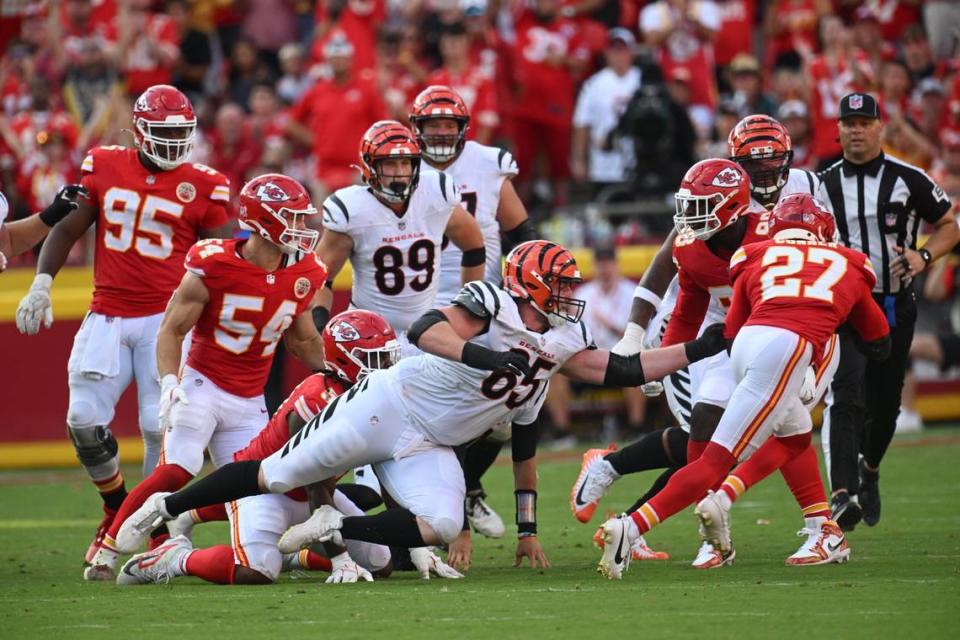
94,445
446,528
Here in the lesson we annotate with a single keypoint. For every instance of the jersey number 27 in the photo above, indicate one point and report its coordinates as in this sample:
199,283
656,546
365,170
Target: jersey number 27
781,262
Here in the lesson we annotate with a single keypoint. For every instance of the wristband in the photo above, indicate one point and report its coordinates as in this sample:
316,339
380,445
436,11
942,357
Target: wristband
526,512
645,294
479,357
926,255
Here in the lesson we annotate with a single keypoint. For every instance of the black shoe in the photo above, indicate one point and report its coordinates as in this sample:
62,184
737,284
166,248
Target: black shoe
845,511
869,494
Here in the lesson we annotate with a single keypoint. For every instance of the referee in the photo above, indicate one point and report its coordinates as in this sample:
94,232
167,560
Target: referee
878,203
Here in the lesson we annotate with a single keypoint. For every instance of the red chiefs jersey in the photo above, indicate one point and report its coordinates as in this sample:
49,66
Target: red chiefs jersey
703,274
146,224
807,288
308,399
248,311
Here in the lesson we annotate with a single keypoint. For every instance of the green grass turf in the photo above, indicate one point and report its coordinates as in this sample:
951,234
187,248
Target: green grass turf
904,577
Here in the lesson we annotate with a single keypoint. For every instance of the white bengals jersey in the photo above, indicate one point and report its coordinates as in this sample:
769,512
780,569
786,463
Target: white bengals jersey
798,181
451,403
479,172
396,258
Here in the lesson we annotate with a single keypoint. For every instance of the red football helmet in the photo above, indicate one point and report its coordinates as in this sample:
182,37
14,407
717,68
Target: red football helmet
164,125
357,342
544,273
761,145
276,206
437,102
801,217
712,195
388,140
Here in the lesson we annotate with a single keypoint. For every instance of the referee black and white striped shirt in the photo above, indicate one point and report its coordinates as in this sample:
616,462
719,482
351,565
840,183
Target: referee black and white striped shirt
878,206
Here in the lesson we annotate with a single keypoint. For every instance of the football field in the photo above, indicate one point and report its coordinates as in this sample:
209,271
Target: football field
903,580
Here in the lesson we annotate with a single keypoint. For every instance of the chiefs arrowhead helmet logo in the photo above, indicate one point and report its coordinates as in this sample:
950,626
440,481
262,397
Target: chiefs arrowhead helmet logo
270,192
729,177
344,332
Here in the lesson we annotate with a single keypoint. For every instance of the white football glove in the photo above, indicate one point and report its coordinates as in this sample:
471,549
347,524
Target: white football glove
171,393
3,262
35,307
631,342
346,570
426,561
652,389
808,390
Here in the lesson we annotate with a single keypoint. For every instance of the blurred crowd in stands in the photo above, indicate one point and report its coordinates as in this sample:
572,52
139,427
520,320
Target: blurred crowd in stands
600,100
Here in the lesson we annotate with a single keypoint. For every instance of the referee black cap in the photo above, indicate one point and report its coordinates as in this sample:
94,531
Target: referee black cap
861,105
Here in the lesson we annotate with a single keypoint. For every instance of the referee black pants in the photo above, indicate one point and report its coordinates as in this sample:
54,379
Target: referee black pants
866,397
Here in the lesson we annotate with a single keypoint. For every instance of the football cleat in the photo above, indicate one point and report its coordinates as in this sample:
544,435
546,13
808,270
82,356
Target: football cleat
596,476
845,511
482,518
616,548
639,550
182,525
869,495
157,566
825,543
714,517
105,522
322,526
103,566
136,529
710,558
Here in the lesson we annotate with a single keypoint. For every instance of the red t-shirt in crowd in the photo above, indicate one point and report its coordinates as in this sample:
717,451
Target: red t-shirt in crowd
478,93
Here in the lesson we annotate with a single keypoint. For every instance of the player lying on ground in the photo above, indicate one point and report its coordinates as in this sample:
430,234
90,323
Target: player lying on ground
239,297
488,358
790,295
355,342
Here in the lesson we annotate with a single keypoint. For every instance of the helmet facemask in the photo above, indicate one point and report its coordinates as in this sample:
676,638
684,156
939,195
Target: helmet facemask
166,144
768,171
389,187
441,147
376,359
696,216
559,307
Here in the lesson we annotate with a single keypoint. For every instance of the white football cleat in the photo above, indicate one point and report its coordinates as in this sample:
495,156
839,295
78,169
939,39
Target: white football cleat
596,476
157,566
137,528
182,525
616,548
709,557
639,549
103,566
482,518
322,526
825,543
714,516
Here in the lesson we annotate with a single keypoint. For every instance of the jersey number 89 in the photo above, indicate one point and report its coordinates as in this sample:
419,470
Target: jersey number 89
388,261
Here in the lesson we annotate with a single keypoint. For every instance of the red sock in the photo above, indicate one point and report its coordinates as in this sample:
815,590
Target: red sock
695,449
215,564
313,561
687,485
213,513
165,477
802,475
772,455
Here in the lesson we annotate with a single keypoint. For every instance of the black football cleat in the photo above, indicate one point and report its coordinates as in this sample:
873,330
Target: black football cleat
869,495
845,511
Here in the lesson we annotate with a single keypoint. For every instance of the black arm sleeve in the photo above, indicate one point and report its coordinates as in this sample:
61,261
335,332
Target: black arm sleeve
424,322
523,441
321,317
521,233
624,371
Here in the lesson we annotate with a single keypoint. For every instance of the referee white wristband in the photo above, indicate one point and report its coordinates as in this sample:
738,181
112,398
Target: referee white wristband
645,294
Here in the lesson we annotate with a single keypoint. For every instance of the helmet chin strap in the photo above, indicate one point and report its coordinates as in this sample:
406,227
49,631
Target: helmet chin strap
553,319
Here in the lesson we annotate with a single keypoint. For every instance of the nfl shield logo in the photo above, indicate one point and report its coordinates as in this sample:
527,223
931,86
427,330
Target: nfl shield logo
402,225
856,101
271,278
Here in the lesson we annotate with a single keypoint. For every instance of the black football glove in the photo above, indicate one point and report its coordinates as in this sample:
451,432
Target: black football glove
710,343
479,357
64,203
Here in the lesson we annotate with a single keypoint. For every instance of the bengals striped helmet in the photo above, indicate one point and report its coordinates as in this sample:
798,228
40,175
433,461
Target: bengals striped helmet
761,145
544,273
800,217
389,140
433,103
